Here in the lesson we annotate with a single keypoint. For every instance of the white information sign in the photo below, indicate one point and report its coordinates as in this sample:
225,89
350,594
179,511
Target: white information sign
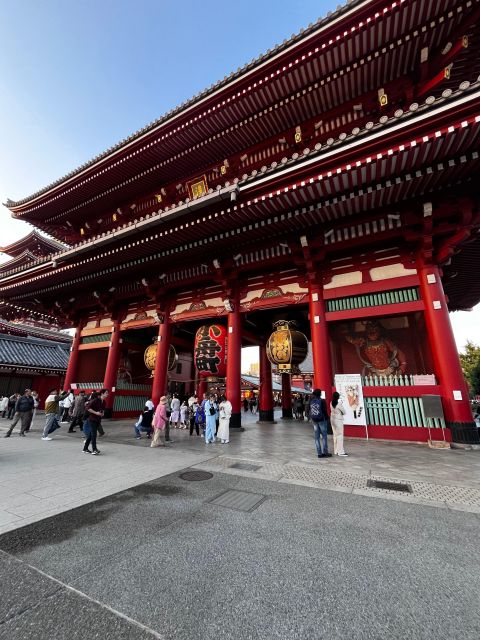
349,386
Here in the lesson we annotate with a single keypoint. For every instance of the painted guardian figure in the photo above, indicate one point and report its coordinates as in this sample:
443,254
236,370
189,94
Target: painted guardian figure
378,353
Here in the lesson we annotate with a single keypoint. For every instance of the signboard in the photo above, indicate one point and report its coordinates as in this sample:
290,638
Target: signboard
432,406
349,386
424,380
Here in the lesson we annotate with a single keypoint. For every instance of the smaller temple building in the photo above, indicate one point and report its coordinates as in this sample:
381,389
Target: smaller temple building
33,352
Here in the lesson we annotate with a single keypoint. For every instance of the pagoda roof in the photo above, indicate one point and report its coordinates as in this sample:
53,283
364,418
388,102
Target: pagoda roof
33,353
34,244
370,169
381,41
23,329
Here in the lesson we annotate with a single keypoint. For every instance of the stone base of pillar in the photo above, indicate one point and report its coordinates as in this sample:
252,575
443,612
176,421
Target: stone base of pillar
266,416
236,422
464,432
287,413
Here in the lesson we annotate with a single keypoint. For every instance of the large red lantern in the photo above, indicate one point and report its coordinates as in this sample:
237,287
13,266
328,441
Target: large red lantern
210,352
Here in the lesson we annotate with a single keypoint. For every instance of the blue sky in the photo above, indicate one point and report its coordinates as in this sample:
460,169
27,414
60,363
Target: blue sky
77,77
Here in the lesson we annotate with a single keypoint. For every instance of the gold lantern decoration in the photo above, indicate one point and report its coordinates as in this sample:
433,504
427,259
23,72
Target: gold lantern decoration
150,357
286,347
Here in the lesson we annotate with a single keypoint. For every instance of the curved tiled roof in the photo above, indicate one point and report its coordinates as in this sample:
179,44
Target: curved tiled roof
33,353
303,33
32,239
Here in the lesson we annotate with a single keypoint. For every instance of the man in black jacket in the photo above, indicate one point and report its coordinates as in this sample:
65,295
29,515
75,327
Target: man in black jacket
23,412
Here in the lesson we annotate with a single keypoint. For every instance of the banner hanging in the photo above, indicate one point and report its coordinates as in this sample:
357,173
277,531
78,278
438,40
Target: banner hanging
349,386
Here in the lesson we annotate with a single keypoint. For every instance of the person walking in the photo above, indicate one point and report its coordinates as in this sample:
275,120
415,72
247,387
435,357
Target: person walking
51,413
12,401
77,411
225,411
160,422
95,409
319,418
337,411
4,406
210,411
36,402
175,411
68,402
192,417
183,414
23,412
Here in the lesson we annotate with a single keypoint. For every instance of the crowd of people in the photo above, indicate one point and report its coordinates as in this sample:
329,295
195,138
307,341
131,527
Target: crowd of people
60,406
208,417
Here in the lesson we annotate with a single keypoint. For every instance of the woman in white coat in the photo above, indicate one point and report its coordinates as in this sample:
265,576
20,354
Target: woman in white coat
337,411
225,410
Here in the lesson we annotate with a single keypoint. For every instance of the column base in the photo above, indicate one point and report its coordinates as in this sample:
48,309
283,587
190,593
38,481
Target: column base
464,432
287,413
236,422
265,416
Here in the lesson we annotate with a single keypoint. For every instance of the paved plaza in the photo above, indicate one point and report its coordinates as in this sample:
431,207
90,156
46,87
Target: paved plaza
275,544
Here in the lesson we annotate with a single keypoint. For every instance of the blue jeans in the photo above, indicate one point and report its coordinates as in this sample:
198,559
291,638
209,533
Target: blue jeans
321,428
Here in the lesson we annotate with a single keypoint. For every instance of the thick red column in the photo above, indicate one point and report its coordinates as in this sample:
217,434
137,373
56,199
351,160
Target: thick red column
455,397
71,374
234,363
159,387
322,366
286,396
266,391
111,371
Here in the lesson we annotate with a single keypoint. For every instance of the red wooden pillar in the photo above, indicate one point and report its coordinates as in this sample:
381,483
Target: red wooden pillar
286,396
71,373
234,362
159,387
111,371
266,391
322,366
455,397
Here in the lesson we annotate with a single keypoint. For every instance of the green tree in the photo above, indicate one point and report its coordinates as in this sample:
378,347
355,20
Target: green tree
470,361
475,380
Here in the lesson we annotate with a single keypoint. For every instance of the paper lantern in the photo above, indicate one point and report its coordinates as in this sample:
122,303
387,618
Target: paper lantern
286,347
150,357
210,352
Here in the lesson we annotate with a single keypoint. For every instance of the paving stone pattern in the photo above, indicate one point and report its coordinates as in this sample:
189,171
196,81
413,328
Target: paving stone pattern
161,560
435,493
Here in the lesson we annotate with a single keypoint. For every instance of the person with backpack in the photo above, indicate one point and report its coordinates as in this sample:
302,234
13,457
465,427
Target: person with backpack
199,417
23,412
319,418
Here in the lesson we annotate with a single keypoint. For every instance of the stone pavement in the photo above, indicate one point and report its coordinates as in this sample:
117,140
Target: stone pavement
120,547
39,479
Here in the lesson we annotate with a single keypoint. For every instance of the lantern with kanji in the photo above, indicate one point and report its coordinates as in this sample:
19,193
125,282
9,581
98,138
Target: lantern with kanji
150,357
286,347
210,351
